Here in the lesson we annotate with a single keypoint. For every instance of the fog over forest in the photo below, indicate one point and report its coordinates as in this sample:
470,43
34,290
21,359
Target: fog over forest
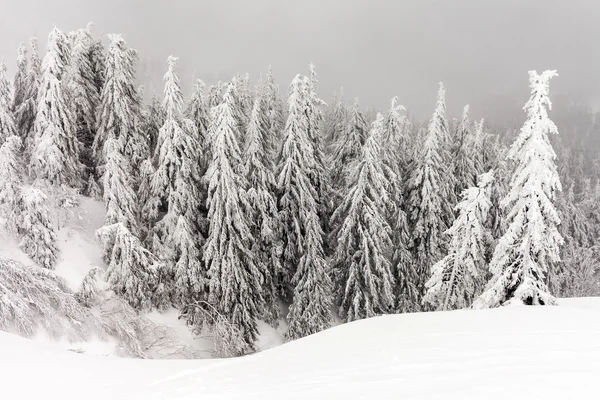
375,49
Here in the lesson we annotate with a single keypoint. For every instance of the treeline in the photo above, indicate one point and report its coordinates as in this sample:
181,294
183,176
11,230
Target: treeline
234,206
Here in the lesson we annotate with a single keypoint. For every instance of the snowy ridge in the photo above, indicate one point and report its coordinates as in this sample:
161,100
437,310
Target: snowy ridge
520,352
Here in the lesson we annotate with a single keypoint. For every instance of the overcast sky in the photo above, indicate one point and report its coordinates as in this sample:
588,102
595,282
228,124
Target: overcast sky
480,49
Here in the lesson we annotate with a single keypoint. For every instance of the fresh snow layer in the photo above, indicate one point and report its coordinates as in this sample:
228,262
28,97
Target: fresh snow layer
514,352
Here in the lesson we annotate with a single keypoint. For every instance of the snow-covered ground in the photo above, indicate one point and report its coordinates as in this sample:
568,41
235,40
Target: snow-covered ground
509,353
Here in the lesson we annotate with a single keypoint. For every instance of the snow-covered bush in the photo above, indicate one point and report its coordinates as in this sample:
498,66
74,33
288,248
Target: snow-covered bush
88,292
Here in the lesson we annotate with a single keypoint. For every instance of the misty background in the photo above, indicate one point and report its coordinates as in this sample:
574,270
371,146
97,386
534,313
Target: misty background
375,49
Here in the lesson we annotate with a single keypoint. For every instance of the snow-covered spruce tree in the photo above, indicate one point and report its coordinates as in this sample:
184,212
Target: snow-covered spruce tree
478,148
439,123
20,80
132,270
97,60
236,279
84,96
7,122
120,199
395,141
176,182
55,158
395,158
197,111
154,118
275,110
239,94
336,119
364,278
314,119
459,277
463,156
215,95
38,238
304,269
120,106
523,255
11,179
25,113
258,169
429,192
348,148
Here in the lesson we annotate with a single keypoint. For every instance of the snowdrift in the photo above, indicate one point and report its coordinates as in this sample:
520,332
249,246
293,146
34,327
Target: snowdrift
513,352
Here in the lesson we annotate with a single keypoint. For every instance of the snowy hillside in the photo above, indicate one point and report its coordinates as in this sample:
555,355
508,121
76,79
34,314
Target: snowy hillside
516,352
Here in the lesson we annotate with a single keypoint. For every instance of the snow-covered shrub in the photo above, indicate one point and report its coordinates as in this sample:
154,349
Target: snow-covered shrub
88,292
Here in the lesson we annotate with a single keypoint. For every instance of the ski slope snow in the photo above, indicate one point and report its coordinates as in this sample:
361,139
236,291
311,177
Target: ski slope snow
515,352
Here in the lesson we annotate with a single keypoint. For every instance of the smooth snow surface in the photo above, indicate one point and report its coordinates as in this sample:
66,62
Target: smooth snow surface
509,353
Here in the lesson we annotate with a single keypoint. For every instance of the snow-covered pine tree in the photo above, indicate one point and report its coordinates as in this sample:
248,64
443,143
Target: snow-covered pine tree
97,60
154,118
304,269
365,282
38,237
531,243
239,96
235,278
463,156
275,110
198,112
120,199
84,96
258,170
55,158
132,270
348,148
20,80
396,158
429,208
120,106
7,122
395,141
176,183
336,120
215,94
25,113
459,277
314,119
11,179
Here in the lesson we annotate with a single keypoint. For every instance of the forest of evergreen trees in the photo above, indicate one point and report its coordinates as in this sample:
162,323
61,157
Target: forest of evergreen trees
233,205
